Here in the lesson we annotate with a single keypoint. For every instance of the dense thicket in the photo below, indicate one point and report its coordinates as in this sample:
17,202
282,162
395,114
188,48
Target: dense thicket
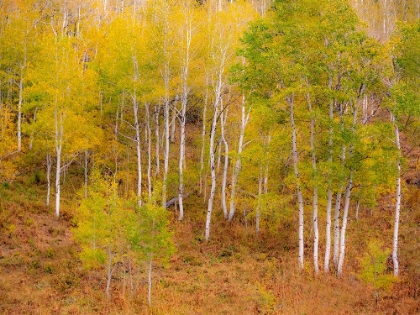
262,111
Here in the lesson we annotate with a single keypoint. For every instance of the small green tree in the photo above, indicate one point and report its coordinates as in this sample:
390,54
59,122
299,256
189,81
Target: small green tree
102,221
149,235
374,267
111,228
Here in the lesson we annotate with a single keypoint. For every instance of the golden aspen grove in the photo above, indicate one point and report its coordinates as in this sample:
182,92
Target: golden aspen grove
209,157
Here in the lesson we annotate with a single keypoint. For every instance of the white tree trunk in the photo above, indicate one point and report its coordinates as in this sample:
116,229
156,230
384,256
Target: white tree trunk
157,134
266,165
167,139
109,274
337,228
149,152
344,225
329,199
19,113
337,217
57,182
173,123
238,164
182,154
315,190
290,100
138,148
212,154
203,143
397,202
184,101
223,118
49,167
86,172
346,204
258,209
58,117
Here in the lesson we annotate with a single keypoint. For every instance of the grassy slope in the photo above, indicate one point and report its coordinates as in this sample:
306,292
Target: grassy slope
235,273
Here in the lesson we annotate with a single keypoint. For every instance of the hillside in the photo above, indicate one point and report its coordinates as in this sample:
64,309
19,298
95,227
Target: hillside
235,273
209,157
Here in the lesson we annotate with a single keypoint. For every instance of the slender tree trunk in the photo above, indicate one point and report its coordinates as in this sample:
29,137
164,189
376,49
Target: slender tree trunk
329,198
19,114
20,103
238,164
212,154
184,101
357,210
203,143
397,201
57,182
157,135
338,205
182,154
173,123
49,167
31,136
346,203
290,100
86,172
265,184
167,138
138,147
315,188
258,209
223,118
58,149
109,274
149,152
219,154
337,228
344,225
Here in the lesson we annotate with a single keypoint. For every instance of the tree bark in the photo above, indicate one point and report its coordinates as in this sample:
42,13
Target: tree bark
344,225
49,167
138,148
167,138
258,209
86,172
315,188
329,197
203,143
157,135
184,102
218,95
58,150
238,163
109,274
149,152
223,118
347,202
290,100
397,201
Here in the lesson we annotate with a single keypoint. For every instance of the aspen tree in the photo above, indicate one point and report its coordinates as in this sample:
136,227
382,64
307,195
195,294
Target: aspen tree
405,101
224,38
188,29
238,164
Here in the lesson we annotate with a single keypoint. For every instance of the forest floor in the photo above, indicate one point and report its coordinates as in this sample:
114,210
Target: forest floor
235,273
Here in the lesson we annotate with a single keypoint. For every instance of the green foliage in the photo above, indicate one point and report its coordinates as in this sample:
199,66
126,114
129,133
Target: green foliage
111,229
149,234
374,267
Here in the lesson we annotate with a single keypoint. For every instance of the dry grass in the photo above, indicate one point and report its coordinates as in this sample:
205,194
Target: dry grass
235,273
